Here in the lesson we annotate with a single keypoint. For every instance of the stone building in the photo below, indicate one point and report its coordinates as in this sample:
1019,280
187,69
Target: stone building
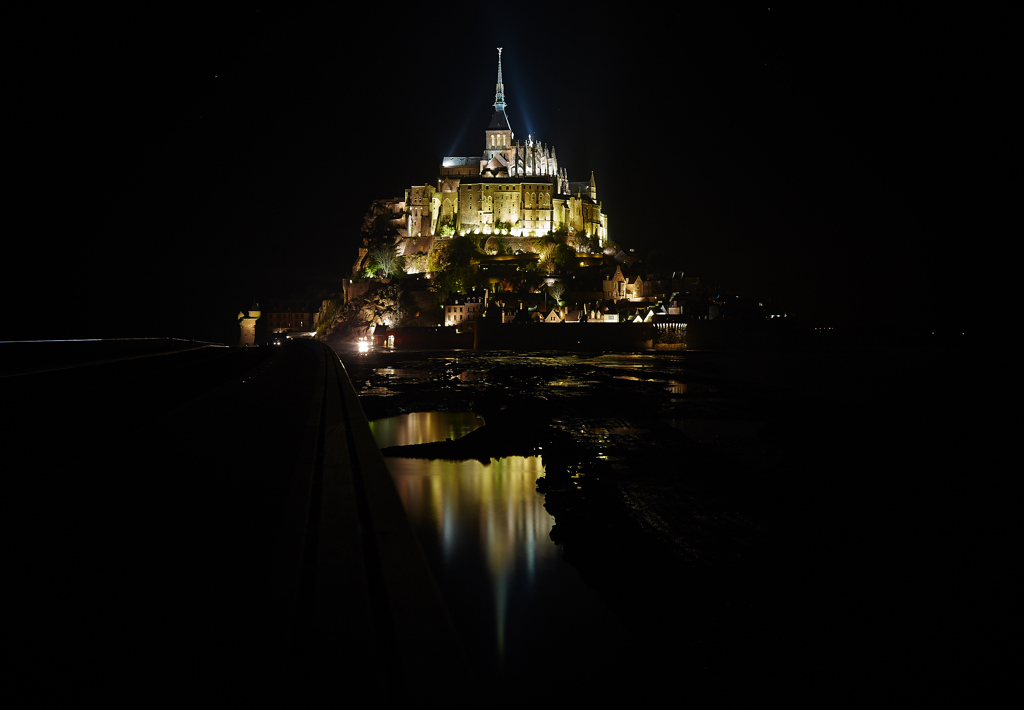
461,309
247,326
514,185
283,316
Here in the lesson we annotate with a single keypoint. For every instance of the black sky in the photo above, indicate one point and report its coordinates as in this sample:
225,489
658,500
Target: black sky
171,167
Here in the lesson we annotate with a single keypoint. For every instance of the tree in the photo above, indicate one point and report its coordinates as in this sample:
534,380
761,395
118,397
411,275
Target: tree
455,252
458,279
437,259
579,242
446,227
385,263
546,263
564,257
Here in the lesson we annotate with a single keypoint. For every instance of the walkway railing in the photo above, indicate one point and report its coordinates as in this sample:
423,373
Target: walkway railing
353,585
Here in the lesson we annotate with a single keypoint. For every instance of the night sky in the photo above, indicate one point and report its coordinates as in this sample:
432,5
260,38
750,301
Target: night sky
169,168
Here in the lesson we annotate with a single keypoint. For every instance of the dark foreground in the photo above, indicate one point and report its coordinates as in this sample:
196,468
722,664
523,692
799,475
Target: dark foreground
814,526
192,522
808,525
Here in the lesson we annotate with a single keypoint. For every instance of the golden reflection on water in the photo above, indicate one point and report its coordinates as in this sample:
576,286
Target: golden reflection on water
423,427
515,602
473,512
671,386
495,509
406,373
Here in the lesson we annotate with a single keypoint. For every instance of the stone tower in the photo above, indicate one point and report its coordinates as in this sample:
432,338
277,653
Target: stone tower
248,326
518,183
498,136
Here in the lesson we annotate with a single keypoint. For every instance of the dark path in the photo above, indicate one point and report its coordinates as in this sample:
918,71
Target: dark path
210,519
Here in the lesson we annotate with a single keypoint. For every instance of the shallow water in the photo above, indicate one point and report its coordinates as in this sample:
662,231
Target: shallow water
423,427
517,605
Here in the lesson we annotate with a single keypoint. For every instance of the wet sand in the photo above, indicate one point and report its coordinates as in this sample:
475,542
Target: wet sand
788,525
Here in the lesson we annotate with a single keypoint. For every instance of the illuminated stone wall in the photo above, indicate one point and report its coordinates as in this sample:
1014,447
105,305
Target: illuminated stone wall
422,209
247,324
515,182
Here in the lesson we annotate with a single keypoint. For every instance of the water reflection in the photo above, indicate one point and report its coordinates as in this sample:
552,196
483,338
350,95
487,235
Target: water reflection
490,517
423,427
403,373
485,532
671,386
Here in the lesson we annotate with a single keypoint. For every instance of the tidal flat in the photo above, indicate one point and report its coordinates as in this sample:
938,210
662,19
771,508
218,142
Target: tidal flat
764,524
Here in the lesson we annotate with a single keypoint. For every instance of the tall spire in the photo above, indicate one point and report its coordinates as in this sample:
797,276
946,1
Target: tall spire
499,90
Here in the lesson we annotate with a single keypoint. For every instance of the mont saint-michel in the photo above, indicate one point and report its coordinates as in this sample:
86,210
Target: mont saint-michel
505,241
515,188
548,440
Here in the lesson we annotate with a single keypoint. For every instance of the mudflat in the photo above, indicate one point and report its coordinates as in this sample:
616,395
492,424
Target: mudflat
799,523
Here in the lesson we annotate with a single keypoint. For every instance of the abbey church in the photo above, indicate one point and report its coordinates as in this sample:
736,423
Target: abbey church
515,187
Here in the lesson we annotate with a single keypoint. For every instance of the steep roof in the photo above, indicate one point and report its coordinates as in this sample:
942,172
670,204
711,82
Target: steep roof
499,122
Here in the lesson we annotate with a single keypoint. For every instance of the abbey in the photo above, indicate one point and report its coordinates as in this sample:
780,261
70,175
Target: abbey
514,187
